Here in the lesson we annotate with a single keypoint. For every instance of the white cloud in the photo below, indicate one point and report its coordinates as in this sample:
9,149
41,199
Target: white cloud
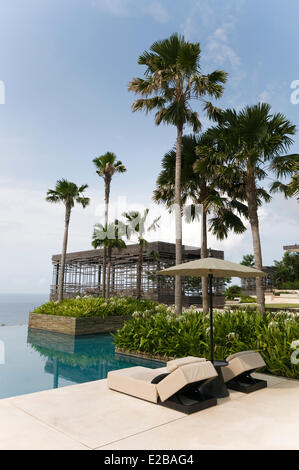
218,49
32,229
157,12
277,93
124,8
215,23
114,7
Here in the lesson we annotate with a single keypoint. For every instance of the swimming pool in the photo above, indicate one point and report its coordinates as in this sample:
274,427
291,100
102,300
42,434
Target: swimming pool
38,360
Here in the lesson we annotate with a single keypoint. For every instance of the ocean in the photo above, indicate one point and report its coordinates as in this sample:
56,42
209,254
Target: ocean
15,308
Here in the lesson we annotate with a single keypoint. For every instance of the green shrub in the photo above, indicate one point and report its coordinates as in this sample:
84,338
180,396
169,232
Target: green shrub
95,307
232,292
165,334
288,285
247,299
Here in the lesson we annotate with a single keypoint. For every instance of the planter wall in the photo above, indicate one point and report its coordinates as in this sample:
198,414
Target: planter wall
76,326
143,355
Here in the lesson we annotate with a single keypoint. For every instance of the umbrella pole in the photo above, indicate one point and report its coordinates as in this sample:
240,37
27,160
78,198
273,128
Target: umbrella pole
211,317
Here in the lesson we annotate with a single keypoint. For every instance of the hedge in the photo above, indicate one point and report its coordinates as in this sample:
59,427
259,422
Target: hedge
95,307
160,332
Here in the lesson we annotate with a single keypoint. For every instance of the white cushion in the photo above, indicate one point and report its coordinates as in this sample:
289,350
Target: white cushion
240,353
136,381
175,363
184,375
240,363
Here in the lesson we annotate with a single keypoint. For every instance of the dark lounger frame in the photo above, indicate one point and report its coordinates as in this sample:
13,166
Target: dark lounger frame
245,383
190,399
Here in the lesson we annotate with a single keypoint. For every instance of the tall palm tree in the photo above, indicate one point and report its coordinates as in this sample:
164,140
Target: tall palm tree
255,141
68,193
136,225
248,260
172,80
108,237
106,166
202,188
290,189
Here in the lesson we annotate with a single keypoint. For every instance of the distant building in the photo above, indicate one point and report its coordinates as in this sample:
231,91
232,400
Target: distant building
292,248
248,285
83,273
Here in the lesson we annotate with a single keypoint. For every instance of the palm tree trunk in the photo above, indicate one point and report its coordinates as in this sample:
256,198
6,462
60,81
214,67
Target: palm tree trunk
104,271
108,273
254,223
139,269
107,195
63,253
204,254
178,220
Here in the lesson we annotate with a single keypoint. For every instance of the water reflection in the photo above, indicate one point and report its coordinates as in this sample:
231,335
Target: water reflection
80,359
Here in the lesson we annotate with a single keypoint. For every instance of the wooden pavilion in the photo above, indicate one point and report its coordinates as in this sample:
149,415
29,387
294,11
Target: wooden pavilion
83,274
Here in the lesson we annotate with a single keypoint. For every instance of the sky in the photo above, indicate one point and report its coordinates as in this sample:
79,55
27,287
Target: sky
64,68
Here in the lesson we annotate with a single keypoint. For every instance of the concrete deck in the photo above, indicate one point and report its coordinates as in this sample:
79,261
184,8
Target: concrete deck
89,416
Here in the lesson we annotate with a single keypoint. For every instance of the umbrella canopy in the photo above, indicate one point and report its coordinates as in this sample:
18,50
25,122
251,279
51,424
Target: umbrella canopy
214,266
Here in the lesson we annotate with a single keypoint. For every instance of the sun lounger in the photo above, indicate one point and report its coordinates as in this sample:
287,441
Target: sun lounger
237,373
176,386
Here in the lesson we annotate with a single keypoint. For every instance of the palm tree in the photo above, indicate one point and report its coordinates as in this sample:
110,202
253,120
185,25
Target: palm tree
202,188
68,193
255,141
106,166
290,189
248,260
135,225
108,237
172,80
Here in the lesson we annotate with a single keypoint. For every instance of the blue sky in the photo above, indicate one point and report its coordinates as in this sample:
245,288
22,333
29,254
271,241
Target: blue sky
66,65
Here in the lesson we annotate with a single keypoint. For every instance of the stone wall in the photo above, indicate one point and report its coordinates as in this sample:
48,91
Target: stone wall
143,355
76,326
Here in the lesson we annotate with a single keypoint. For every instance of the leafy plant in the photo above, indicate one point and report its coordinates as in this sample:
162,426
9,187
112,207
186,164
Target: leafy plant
161,332
88,306
232,292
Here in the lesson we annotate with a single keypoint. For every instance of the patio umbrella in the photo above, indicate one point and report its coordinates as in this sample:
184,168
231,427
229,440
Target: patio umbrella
211,267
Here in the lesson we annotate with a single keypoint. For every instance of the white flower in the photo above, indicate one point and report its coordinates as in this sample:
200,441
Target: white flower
273,325
169,318
232,335
136,314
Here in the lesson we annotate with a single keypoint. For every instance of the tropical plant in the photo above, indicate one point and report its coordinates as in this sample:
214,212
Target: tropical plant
136,226
106,166
232,292
162,333
287,270
89,306
203,190
248,260
108,237
172,79
68,193
290,189
293,186
255,142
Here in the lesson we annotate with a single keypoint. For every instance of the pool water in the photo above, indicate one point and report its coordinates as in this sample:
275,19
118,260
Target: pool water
36,360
